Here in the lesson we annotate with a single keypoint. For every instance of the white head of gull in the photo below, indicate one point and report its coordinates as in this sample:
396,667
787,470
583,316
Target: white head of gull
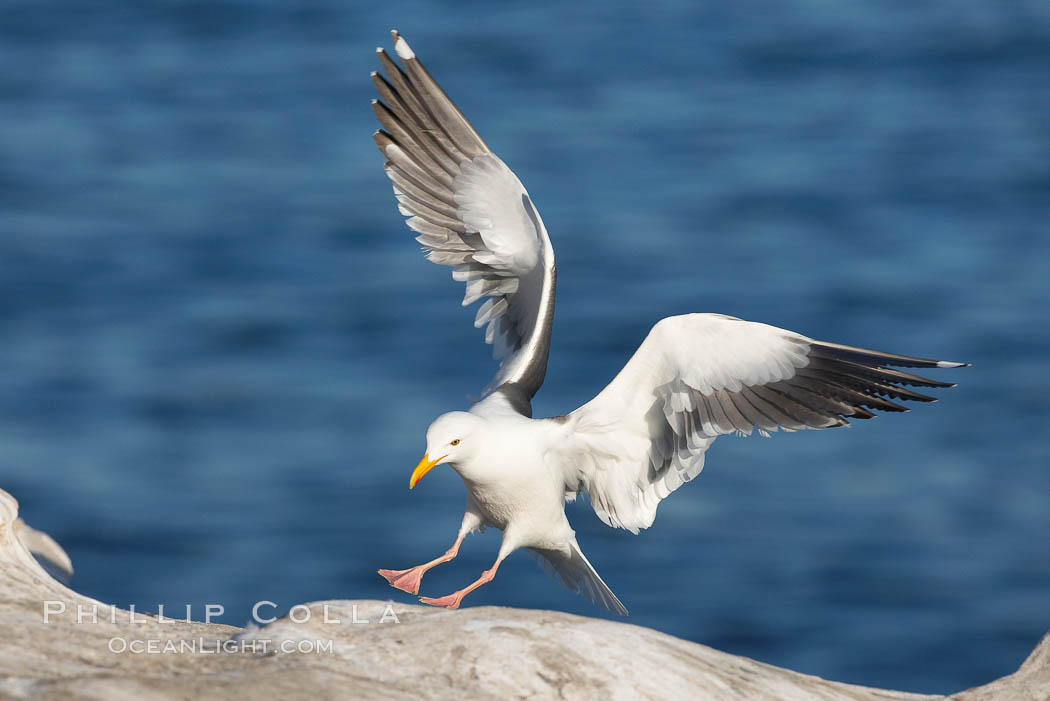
695,377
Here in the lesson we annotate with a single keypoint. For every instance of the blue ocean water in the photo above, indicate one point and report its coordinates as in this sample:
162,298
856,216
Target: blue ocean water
220,346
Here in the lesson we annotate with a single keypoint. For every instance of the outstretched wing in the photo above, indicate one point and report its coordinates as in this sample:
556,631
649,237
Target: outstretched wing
698,376
471,213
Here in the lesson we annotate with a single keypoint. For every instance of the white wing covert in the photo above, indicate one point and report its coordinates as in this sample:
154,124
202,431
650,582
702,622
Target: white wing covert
473,214
699,376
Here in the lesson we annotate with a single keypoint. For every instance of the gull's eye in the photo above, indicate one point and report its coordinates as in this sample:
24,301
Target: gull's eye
455,442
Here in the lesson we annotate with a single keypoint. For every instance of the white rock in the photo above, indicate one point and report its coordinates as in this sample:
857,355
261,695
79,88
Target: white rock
401,652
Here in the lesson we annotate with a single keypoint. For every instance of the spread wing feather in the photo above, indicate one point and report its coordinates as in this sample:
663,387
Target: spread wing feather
470,213
699,376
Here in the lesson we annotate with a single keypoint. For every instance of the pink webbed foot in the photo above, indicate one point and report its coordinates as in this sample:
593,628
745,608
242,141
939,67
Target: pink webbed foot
450,602
405,580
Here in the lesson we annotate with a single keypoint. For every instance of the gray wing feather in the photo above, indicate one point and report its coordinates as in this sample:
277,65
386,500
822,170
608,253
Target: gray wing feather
699,376
472,214
821,394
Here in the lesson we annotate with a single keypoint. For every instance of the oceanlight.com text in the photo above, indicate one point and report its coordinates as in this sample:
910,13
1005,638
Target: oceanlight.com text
214,646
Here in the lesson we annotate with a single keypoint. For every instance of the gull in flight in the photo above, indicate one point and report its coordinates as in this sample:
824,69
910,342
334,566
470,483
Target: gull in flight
694,378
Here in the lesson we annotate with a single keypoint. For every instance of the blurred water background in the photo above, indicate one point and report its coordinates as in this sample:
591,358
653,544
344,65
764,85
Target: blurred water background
220,346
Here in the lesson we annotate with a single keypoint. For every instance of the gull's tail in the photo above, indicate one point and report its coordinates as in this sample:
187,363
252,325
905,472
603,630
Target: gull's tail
576,573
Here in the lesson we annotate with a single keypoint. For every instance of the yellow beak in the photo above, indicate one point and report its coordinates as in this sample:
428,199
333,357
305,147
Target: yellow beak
424,466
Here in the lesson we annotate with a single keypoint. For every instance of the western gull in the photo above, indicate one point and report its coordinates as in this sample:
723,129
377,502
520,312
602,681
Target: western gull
695,377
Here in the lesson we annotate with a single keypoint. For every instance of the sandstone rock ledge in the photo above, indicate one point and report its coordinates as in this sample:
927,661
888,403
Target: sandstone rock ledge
402,652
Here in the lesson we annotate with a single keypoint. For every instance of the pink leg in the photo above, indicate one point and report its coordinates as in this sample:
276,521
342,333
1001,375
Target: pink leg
408,580
452,600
